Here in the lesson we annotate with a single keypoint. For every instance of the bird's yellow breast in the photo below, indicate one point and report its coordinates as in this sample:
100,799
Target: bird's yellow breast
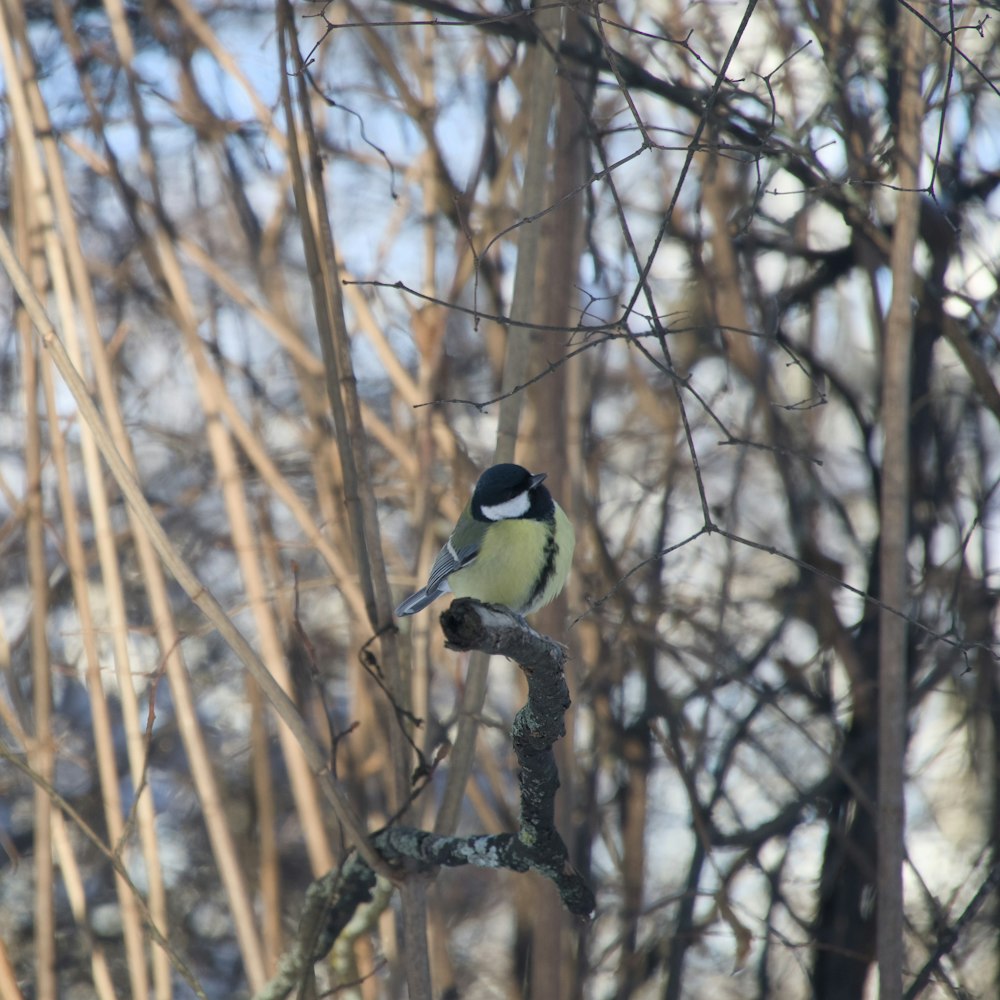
508,564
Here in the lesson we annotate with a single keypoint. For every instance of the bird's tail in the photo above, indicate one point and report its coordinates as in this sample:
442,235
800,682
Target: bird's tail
416,602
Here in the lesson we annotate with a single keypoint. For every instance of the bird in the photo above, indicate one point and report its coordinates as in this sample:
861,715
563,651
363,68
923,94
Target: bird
513,545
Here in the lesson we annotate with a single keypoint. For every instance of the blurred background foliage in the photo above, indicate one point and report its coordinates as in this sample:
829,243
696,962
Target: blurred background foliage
710,193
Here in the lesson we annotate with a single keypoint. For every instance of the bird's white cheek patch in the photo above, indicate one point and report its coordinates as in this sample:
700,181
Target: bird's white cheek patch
515,507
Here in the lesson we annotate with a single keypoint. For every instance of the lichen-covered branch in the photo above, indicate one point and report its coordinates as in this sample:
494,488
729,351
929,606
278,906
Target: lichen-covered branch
537,845
330,903
501,850
467,624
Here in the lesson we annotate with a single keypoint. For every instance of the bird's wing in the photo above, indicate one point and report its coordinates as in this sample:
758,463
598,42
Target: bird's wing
450,559
459,551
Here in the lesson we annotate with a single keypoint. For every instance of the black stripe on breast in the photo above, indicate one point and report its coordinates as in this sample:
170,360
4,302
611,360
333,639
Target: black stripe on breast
548,568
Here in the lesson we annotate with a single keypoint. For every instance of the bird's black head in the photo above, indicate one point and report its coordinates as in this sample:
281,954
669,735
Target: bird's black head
508,491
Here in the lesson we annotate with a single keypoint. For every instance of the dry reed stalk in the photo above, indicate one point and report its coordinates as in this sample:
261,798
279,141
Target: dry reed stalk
211,392
196,591
8,978
169,638
101,723
111,856
39,747
321,258
269,867
100,972
541,94
74,294
136,965
166,264
38,205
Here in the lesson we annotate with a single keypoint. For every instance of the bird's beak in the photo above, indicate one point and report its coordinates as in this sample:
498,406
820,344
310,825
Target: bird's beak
535,480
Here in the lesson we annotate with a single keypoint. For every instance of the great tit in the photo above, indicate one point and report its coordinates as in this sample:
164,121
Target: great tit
513,545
